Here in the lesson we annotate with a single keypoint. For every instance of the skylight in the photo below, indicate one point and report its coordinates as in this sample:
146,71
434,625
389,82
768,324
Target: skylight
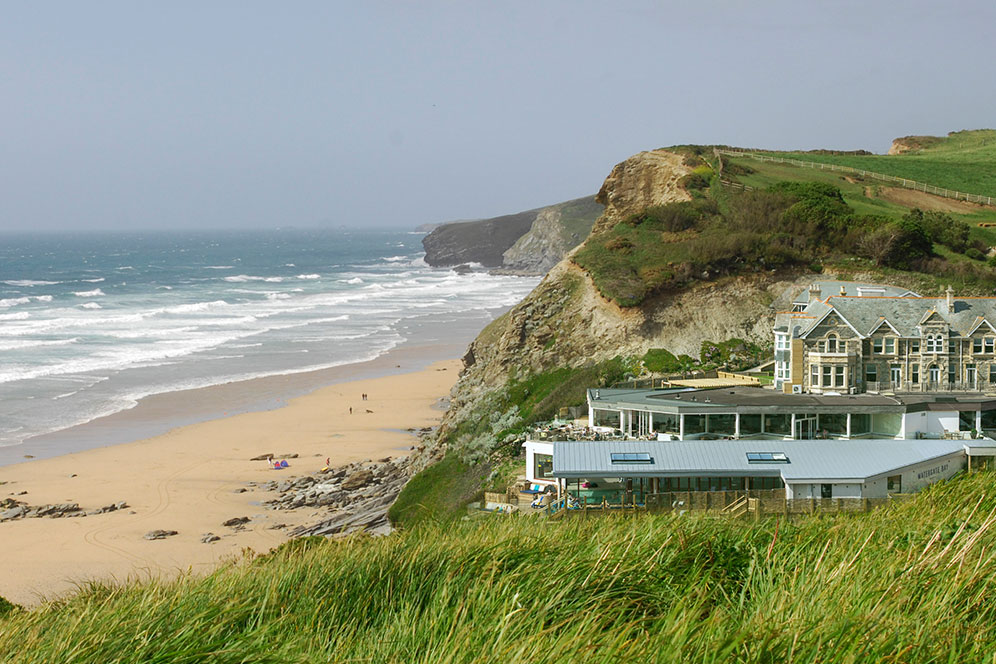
631,457
767,457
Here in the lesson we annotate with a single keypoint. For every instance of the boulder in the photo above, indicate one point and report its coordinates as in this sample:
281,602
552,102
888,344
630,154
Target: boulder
207,538
359,479
159,534
237,521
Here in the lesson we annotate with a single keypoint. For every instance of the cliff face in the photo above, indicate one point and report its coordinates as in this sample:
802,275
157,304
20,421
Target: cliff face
643,180
554,232
529,242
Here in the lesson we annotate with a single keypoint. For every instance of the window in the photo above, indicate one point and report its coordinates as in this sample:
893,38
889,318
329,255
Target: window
970,374
895,374
543,466
630,457
977,346
877,346
782,370
992,373
821,346
952,346
832,343
826,491
814,375
914,345
767,457
915,373
890,346
952,374
895,483
933,343
871,373
781,342
827,376
838,376
989,341
935,373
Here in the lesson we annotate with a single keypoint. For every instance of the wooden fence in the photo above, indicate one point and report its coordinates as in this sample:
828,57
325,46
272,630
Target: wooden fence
905,182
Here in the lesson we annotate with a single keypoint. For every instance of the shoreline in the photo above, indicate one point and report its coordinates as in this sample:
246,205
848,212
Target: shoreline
195,476
159,413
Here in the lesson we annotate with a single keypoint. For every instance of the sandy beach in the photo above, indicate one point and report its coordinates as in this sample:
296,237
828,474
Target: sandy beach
194,477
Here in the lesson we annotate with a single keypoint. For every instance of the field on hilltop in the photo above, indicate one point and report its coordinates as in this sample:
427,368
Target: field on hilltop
963,160
912,582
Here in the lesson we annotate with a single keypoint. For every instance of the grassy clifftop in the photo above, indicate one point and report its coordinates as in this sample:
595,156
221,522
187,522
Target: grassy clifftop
910,583
962,160
797,218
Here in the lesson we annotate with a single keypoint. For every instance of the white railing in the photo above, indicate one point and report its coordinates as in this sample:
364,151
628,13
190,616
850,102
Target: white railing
905,182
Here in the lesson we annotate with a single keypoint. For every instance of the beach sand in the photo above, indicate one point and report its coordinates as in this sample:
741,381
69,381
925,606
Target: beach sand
189,478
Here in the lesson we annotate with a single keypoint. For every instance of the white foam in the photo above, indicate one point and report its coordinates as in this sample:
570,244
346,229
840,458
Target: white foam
218,267
278,296
90,305
43,298
393,259
195,307
309,276
93,281
354,280
21,344
29,283
23,315
242,278
14,301
96,292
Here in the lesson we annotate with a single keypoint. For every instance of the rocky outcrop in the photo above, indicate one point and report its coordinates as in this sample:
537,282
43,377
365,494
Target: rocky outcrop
554,232
643,180
529,242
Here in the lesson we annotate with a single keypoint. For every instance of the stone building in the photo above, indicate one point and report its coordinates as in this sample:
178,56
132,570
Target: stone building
897,342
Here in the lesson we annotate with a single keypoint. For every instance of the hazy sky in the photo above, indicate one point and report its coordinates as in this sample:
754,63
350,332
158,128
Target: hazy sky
249,114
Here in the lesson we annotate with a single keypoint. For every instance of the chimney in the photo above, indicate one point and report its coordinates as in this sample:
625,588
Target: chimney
814,292
949,300
843,291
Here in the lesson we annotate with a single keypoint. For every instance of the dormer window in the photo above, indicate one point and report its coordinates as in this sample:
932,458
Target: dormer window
977,346
989,343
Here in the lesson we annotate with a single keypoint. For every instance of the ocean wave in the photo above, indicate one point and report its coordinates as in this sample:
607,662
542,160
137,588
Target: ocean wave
22,315
96,292
90,305
13,301
194,307
125,267
93,281
309,276
29,283
394,259
43,298
219,267
36,343
354,280
242,278
277,296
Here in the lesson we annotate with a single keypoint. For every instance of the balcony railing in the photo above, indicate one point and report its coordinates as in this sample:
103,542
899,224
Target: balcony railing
928,386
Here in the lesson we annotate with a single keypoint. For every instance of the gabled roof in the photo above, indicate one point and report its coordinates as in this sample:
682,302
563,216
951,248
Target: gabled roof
904,315
853,288
980,322
883,321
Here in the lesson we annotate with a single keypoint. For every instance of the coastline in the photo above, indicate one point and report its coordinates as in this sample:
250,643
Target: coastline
154,415
195,476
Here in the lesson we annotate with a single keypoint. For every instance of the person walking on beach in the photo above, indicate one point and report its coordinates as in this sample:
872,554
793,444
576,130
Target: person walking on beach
350,410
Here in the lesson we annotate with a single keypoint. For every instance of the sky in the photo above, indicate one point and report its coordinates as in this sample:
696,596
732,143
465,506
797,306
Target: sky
225,115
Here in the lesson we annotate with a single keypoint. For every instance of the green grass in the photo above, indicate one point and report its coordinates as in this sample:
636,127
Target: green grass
910,583
439,493
964,161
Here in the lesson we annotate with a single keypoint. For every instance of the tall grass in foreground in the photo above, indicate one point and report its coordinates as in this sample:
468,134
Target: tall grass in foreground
912,583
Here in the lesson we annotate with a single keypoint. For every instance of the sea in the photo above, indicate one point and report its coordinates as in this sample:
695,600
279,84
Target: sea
92,323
